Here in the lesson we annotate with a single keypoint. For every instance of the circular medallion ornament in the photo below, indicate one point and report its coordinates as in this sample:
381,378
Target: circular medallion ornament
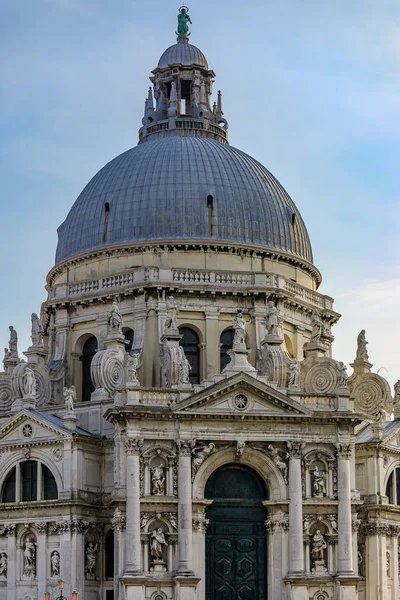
240,402
5,393
27,430
369,397
321,379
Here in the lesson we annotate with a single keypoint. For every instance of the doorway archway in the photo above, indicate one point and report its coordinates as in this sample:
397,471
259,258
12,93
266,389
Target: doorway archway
236,558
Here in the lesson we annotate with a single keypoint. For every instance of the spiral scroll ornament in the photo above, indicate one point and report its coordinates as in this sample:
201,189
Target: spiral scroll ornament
369,398
5,393
321,379
107,371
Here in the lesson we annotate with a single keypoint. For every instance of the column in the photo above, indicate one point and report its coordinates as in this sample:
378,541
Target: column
118,525
78,529
395,566
375,564
11,530
132,533
185,534
65,554
18,482
296,549
211,351
41,558
39,481
345,544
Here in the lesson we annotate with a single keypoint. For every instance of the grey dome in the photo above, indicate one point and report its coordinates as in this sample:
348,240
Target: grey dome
184,54
158,191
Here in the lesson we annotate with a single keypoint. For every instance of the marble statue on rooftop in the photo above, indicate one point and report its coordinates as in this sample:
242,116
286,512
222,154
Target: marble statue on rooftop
343,374
316,323
36,330
397,391
29,383
172,311
239,325
183,20
184,370
132,368
13,343
114,319
272,318
69,398
294,374
362,353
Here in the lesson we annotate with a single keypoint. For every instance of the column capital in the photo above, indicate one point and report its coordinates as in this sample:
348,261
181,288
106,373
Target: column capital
295,449
41,527
343,450
133,447
11,529
185,447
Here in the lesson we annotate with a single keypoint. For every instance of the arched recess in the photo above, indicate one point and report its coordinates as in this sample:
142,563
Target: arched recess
236,560
225,344
392,488
129,335
29,481
18,457
109,555
88,351
191,345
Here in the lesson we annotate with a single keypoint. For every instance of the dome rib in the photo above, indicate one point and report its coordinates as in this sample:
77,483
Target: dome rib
184,54
158,191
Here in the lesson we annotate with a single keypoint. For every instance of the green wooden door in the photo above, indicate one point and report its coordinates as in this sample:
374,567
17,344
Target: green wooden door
235,538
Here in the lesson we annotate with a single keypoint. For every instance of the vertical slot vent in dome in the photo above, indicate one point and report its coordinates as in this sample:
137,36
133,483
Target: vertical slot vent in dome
210,206
106,218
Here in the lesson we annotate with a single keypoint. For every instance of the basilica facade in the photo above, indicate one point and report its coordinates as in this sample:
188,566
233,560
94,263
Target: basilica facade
178,428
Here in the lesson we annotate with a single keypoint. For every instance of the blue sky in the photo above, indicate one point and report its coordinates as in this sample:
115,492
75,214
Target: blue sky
310,89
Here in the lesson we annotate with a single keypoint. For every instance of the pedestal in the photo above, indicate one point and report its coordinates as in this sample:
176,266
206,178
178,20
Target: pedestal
314,348
319,568
69,420
239,360
158,568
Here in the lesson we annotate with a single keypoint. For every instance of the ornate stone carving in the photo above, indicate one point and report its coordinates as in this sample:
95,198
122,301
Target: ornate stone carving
279,458
200,524
343,374
114,324
19,383
185,447
172,356
58,453
11,529
69,395
200,453
157,544
239,326
90,560
371,395
355,525
172,311
107,371
118,520
362,353
319,483
316,324
29,383
343,450
294,376
132,368
5,392
3,564
158,481
172,517
36,331
53,527
377,528
318,548
240,446
13,343
29,557
41,527
133,447
295,449
333,521
274,363
55,564
388,564
184,369
271,321
322,378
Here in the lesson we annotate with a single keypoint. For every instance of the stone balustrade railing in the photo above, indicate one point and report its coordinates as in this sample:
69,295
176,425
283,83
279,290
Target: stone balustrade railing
190,278
319,402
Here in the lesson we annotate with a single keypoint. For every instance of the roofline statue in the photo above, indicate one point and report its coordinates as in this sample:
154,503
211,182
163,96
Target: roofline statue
183,20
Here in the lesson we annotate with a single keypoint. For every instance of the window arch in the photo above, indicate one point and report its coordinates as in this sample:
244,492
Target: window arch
225,344
109,555
393,487
29,481
88,352
190,345
129,337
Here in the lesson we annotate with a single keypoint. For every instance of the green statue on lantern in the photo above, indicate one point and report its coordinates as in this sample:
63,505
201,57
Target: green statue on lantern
183,20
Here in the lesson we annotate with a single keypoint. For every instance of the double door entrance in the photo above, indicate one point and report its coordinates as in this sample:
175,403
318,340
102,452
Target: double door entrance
235,539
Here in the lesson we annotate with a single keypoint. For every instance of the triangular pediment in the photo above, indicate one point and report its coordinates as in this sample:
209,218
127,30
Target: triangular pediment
29,427
242,395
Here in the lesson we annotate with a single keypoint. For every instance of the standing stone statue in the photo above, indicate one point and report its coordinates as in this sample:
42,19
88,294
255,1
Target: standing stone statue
114,319
7,356
29,380
362,353
319,486
91,555
157,544
29,557
278,458
200,453
13,343
3,564
316,323
272,319
158,481
36,331
172,311
343,374
239,325
183,20
294,374
184,370
132,368
55,564
318,546
69,398
397,391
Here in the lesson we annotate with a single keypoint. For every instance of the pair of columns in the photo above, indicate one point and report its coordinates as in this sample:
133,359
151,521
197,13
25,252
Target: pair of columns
296,552
133,560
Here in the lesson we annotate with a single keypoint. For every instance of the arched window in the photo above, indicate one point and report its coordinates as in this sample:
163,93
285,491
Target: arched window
89,350
29,481
393,487
225,344
190,345
109,555
129,335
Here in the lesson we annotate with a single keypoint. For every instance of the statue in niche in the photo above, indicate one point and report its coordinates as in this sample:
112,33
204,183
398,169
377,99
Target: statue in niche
319,483
343,374
272,320
13,343
158,481
55,564
318,546
69,395
183,21
278,457
29,557
36,330
172,311
29,380
239,325
132,368
362,353
91,556
3,564
157,543
184,370
200,453
294,374
114,319
316,323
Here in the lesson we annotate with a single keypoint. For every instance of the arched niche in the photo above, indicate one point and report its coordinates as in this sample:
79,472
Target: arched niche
225,344
89,349
190,343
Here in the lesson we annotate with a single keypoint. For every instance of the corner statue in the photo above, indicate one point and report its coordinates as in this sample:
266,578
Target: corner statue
183,20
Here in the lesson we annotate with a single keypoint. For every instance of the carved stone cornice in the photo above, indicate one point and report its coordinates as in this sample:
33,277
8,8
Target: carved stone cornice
377,528
295,449
133,447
